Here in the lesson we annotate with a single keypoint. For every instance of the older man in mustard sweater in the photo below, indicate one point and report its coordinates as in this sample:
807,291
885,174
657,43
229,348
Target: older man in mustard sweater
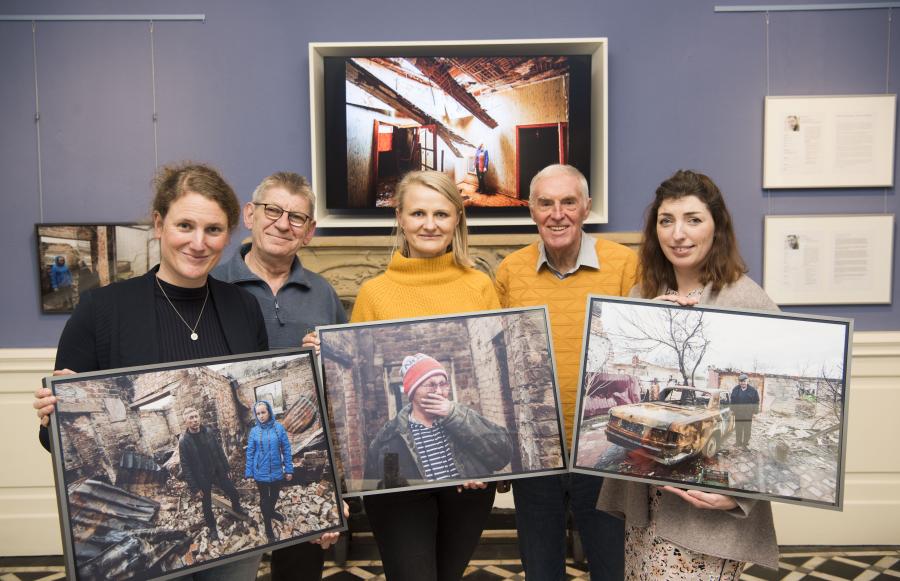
559,271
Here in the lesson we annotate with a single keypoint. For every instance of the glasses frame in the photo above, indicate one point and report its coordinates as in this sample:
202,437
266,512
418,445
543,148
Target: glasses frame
292,216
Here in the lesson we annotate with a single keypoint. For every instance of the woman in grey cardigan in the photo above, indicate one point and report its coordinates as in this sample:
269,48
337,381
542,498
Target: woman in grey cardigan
689,255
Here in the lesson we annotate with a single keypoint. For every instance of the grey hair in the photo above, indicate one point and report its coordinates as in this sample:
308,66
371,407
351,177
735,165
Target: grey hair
564,170
294,183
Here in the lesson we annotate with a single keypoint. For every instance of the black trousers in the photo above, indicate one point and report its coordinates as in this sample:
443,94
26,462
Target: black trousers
481,183
227,486
268,496
428,535
742,432
301,562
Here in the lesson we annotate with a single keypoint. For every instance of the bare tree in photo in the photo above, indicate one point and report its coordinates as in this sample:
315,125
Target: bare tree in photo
830,395
678,333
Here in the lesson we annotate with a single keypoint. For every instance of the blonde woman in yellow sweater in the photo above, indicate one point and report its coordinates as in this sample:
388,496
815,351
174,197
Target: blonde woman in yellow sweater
428,535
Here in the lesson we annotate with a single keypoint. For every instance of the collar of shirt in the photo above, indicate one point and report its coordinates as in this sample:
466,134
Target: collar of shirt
238,271
587,256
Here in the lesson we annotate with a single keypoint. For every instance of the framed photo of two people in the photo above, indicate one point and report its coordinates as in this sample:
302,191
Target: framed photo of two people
420,403
741,402
164,470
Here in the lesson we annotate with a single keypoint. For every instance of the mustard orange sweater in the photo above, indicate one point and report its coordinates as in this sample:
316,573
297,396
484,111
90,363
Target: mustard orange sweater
422,287
520,285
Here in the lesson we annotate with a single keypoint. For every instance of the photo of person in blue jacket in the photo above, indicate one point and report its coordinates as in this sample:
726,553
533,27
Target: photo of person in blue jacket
269,462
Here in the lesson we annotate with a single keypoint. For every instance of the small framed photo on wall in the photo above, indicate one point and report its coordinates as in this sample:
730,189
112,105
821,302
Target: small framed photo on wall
74,258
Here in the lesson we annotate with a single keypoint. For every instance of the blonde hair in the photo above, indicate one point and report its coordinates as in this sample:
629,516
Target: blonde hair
442,184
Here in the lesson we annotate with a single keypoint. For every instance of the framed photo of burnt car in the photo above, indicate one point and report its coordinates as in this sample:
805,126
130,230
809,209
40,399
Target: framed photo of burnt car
74,258
736,401
168,469
420,403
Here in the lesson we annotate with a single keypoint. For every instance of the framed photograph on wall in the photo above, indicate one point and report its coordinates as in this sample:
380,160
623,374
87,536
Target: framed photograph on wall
73,258
421,403
829,141
740,402
829,259
165,470
379,110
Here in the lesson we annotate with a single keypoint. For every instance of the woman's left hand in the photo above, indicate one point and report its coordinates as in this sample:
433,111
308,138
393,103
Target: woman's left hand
706,500
472,485
288,477
329,539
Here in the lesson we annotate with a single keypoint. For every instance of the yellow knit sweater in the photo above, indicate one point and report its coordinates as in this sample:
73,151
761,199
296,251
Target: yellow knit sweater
422,287
520,285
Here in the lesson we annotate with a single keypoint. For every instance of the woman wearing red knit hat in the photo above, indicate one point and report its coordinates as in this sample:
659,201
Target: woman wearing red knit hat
428,535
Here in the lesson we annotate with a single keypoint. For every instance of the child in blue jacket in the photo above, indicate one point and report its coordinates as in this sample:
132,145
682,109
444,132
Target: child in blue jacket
269,462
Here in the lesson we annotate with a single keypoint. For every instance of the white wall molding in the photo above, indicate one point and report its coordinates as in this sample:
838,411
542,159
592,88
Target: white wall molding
871,516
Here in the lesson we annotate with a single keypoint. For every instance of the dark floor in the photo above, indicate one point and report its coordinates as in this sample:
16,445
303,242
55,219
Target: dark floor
806,563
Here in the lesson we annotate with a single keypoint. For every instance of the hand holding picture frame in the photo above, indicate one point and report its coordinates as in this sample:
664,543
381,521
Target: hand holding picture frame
739,402
423,403
164,470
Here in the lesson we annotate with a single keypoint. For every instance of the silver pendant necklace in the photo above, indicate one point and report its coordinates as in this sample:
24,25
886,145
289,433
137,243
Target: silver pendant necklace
194,335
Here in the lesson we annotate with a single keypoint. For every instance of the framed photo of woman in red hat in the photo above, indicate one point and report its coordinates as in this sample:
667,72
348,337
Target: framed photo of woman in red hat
418,403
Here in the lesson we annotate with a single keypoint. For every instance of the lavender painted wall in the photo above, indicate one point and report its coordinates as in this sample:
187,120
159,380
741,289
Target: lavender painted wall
686,90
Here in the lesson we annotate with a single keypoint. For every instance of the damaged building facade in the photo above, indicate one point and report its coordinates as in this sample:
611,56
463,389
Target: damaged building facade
129,508
412,113
497,367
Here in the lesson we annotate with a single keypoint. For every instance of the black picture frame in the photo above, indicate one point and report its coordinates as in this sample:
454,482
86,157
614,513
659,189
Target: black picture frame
689,427
117,439
500,369
93,255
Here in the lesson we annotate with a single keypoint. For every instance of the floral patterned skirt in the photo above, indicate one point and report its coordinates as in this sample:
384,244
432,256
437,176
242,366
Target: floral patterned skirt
650,558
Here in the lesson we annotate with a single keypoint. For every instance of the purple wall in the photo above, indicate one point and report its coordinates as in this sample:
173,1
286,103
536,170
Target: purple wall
686,91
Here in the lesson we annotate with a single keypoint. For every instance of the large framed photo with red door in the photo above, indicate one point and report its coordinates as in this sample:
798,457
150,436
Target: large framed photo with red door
165,470
422,403
736,401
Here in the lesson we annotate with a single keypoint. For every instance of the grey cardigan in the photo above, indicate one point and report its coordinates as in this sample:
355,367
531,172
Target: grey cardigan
745,533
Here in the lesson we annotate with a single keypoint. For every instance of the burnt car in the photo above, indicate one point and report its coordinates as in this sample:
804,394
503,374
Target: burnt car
683,423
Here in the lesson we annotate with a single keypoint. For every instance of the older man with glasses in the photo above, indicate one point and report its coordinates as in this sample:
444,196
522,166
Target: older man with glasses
281,218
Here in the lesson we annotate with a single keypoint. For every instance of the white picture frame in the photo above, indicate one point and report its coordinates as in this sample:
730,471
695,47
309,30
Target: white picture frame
597,48
829,259
829,141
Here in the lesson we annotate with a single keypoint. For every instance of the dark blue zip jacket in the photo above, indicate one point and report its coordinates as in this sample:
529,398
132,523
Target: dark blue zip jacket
268,450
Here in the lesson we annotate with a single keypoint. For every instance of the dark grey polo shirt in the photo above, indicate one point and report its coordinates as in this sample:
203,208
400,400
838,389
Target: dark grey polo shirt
305,301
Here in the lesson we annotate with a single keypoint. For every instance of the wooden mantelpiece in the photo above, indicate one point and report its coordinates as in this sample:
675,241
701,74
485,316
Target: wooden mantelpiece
348,261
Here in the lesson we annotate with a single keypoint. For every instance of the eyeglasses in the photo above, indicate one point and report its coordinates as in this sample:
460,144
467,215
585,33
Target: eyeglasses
439,385
273,212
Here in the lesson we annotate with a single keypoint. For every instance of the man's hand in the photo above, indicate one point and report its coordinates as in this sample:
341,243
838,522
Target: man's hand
437,405
311,339
704,500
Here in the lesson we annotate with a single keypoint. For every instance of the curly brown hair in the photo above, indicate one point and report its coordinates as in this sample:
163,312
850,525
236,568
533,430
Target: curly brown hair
723,264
